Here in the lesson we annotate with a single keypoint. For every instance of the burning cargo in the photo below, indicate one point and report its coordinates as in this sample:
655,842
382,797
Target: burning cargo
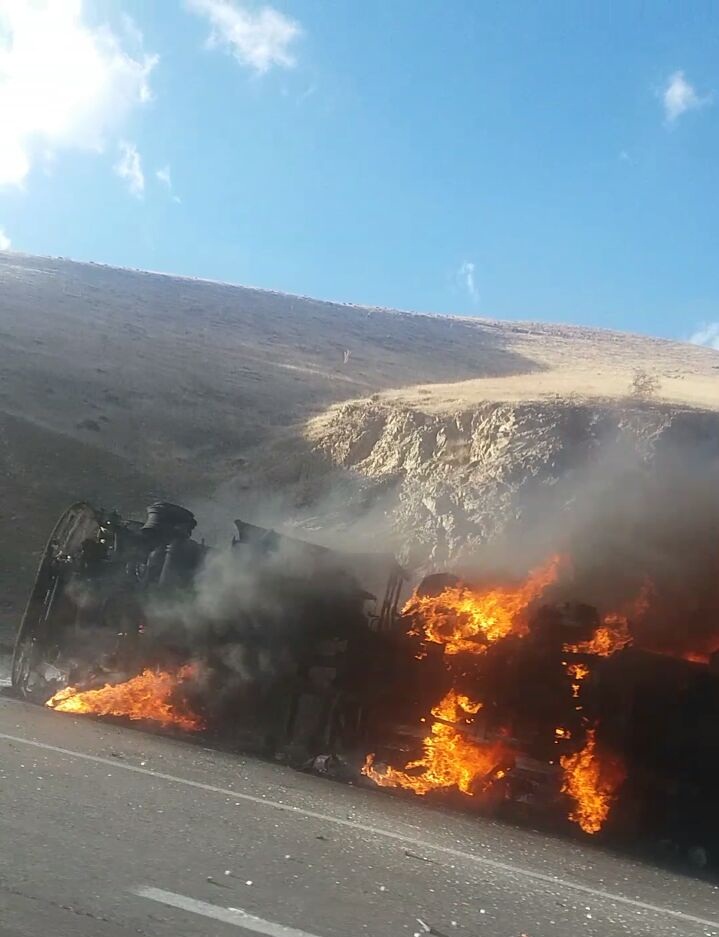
502,694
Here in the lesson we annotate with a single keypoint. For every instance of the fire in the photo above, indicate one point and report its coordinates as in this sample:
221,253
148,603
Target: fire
450,758
577,672
614,633
611,636
463,619
591,784
148,696
454,707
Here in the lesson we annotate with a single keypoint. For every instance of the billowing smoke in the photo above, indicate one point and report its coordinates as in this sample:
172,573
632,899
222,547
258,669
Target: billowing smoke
643,511
629,494
656,522
251,617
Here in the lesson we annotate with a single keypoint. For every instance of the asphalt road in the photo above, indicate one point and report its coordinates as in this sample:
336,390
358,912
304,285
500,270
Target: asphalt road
108,832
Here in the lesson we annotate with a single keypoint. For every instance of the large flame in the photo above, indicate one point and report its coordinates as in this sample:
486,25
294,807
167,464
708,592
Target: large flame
450,758
149,696
591,783
464,619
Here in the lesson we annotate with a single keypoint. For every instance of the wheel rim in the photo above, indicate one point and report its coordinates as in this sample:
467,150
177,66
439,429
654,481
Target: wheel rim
32,635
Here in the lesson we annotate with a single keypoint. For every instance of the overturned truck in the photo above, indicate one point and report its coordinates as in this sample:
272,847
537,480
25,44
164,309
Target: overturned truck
277,640
490,695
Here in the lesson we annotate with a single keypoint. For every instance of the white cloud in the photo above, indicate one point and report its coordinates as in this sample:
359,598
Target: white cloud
465,275
258,39
63,84
679,97
707,334
4,241
129,168
163,176
131,30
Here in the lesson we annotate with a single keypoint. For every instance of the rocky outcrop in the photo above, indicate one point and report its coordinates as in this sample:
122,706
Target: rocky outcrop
497,474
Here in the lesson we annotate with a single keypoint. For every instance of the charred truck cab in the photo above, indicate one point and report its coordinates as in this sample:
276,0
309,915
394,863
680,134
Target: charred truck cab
85,614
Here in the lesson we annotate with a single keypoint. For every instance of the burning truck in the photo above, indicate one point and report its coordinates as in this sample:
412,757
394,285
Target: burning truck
501,696
271,642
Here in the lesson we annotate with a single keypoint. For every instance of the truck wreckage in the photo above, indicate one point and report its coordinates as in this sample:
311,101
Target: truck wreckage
488,694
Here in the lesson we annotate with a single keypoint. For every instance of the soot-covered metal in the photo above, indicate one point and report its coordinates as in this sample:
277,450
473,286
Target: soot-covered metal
275,642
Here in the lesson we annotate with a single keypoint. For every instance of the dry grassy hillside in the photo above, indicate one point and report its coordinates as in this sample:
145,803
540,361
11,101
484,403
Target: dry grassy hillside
121,386
582,364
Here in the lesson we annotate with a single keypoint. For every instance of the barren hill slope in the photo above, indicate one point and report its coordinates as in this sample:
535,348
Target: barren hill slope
176,367
121,386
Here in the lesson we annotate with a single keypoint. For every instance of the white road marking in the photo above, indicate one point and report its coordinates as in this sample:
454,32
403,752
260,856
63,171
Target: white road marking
376,831
235,916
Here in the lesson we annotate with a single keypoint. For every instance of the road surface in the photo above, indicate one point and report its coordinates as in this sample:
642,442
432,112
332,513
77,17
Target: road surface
108,832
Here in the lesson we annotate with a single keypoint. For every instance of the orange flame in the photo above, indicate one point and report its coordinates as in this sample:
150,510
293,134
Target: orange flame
613,634
450,758
466,620
147,696
577,672
454,707
591,784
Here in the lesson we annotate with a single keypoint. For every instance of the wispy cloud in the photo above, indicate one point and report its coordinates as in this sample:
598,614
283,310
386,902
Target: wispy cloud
707,334
308,92
129,168
63,83
132,31
465,276
258,39
163,176
4,241
679,96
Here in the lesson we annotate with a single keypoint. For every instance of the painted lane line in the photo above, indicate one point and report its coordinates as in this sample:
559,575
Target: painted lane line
393,835
235,916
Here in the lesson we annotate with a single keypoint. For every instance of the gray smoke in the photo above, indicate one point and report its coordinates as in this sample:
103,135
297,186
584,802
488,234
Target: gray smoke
629,495
251,620
644,508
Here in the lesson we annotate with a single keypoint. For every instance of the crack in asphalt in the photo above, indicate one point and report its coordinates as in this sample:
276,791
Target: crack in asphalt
79,912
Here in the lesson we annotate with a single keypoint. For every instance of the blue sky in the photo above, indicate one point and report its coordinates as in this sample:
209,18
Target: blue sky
553,160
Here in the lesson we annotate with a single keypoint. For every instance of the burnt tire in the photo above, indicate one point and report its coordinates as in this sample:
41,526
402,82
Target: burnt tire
35,631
